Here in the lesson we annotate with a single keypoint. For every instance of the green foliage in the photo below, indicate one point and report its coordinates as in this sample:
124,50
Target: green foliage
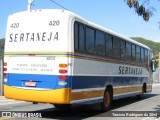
154,46
2,47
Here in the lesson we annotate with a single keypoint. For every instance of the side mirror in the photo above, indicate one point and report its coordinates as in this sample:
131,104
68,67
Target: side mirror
154,65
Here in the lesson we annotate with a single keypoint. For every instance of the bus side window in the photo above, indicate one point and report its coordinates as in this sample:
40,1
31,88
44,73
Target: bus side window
116,47
142,55
90,42
133,52
146,56
123,49
109,43
128,50
100,43
79,37
150,58
138,54
76,37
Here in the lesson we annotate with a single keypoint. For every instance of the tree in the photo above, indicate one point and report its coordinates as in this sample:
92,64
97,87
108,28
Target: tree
140,9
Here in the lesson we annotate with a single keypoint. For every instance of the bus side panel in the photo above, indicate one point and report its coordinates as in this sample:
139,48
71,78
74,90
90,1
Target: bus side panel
91,75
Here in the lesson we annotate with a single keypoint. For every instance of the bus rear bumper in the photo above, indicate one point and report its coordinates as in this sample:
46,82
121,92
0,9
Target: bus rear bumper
57,96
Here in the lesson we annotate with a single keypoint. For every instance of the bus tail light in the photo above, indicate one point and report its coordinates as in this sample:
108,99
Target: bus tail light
4,69
63,77
63,71
63,65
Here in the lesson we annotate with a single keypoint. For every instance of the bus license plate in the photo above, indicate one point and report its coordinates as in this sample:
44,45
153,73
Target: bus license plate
30,84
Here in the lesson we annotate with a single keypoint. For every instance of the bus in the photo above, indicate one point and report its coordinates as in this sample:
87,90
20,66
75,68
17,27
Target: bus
55,56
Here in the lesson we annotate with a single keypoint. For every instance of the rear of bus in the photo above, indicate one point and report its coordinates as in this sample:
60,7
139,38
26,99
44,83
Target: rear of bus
38,56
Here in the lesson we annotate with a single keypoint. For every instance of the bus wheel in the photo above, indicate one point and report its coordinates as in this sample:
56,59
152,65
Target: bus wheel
62,106
141,96
107,99
35,102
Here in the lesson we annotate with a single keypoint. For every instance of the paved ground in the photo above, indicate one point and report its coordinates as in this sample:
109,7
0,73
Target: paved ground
5,101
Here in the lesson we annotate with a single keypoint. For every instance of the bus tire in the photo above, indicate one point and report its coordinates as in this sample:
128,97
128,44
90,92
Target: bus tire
141,96
35,102
62,106
107,99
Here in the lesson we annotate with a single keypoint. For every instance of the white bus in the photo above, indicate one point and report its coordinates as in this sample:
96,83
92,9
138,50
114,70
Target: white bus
57,57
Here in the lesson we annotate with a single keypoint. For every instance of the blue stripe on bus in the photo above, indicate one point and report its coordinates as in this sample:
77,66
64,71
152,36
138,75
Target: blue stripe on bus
85,82
42,81
74,82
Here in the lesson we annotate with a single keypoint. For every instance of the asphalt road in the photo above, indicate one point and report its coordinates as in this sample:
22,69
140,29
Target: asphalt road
123,107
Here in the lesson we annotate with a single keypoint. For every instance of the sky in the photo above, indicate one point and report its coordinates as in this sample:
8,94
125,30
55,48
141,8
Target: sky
111,14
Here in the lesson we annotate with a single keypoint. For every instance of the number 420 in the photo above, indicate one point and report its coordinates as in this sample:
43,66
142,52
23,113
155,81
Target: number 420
54,23
14,25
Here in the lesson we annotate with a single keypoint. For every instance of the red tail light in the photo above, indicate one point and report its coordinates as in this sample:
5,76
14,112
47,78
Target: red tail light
62,77
4,74
5,69
63,71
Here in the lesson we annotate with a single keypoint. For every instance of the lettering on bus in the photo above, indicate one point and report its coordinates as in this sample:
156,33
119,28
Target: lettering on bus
37,67
130,70
26,37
